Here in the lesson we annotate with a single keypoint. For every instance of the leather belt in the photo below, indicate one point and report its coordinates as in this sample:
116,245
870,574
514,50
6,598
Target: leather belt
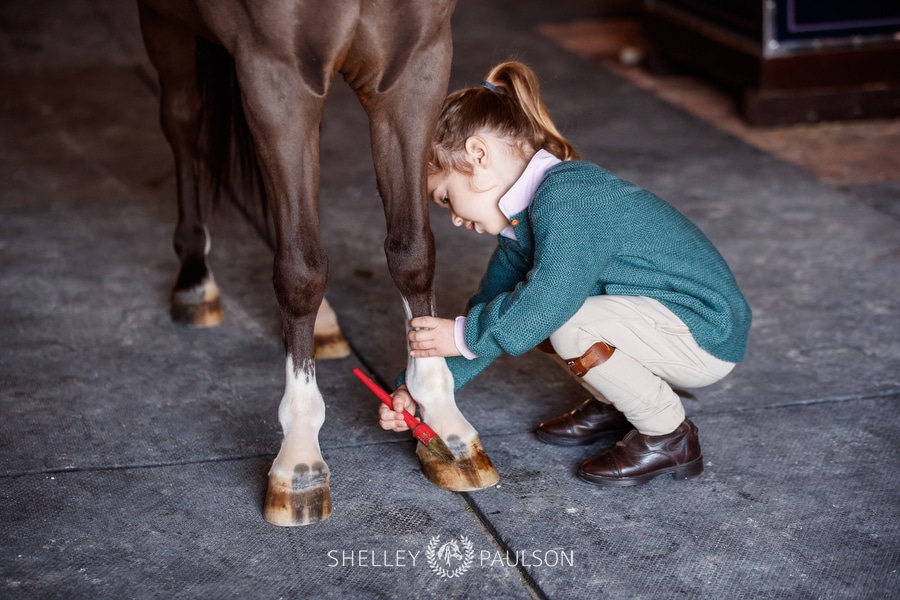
597,354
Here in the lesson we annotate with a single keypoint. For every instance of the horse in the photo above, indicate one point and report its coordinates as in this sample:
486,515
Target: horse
242,91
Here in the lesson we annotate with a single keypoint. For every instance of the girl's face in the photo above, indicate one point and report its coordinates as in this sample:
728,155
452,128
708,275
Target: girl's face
477,210
473,199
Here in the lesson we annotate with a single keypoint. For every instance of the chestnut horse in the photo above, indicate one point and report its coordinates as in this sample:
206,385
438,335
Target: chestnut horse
276,61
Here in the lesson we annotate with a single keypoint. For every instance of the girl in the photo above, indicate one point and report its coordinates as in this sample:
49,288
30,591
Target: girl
630,293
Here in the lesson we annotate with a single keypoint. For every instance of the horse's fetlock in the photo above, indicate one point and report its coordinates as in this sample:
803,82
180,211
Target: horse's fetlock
190,241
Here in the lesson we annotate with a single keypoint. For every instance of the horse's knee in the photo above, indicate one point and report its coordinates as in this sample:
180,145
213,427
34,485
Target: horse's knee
411,262
299,280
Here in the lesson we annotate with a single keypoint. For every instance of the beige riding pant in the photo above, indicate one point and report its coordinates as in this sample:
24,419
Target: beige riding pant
654,350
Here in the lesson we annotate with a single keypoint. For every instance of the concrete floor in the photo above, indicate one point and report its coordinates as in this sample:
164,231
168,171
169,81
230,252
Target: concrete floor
133,452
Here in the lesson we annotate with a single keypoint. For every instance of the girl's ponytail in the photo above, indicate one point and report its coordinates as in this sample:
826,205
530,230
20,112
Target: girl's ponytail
521,83
507,103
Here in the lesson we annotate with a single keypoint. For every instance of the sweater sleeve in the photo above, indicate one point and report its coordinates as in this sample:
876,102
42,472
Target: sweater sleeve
506,268
568,260
462,369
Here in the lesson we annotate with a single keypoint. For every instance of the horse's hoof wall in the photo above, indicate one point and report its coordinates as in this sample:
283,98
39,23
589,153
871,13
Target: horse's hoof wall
470,470
331,346
303,500
328,341
204,314
197,305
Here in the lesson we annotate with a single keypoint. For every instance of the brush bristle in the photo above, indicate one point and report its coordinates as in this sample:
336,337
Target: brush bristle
440,450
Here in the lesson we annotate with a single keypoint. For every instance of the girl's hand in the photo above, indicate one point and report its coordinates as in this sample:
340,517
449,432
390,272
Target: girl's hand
431,336
392,420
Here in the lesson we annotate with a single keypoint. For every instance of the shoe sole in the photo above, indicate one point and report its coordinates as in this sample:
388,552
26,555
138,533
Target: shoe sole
686,471
583,441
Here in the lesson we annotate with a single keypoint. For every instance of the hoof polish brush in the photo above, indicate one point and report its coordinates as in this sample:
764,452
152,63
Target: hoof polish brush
420,430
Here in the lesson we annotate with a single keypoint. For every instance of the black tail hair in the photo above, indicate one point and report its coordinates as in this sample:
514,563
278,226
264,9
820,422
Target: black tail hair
225,144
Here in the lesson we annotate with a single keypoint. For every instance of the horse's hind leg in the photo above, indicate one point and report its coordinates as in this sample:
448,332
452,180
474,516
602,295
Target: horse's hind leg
402,118
172,50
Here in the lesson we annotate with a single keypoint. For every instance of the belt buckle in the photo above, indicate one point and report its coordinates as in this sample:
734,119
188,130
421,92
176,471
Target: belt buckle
575,366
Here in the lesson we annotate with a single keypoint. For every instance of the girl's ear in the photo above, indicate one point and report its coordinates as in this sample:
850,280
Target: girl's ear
477,151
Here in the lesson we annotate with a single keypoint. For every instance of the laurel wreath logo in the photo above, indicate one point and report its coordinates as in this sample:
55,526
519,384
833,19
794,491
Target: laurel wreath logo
448,552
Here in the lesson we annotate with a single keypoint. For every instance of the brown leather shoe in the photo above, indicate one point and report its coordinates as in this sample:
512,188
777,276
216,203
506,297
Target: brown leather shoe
586,424
639,458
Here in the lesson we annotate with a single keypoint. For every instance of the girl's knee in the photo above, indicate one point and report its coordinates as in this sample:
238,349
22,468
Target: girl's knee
564,343
573,342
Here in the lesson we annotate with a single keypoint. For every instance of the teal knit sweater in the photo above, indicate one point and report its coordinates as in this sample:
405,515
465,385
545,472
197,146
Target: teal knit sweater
589,233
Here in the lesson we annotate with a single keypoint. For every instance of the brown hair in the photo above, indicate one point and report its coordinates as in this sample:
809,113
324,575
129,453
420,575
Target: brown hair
507,104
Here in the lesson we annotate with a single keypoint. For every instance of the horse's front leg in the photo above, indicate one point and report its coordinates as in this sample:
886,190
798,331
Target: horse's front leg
298,491
410,252
402,118
284,114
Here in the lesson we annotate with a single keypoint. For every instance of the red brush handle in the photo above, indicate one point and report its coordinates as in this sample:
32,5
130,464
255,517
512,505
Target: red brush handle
411,421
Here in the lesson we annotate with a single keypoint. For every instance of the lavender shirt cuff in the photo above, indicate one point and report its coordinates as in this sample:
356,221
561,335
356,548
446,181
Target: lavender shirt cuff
459,337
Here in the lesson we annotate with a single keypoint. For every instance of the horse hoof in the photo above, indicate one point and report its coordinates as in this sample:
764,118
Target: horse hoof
303,500
328,341
470,470
207,314
331,346
198,306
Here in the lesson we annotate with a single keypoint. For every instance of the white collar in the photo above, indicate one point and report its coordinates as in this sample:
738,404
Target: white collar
520,195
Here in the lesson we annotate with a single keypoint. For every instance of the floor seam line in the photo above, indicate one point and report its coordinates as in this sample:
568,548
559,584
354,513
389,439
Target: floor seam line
532,585
809,402
135,466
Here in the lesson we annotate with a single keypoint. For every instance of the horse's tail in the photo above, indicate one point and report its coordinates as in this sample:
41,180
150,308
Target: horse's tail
225,144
